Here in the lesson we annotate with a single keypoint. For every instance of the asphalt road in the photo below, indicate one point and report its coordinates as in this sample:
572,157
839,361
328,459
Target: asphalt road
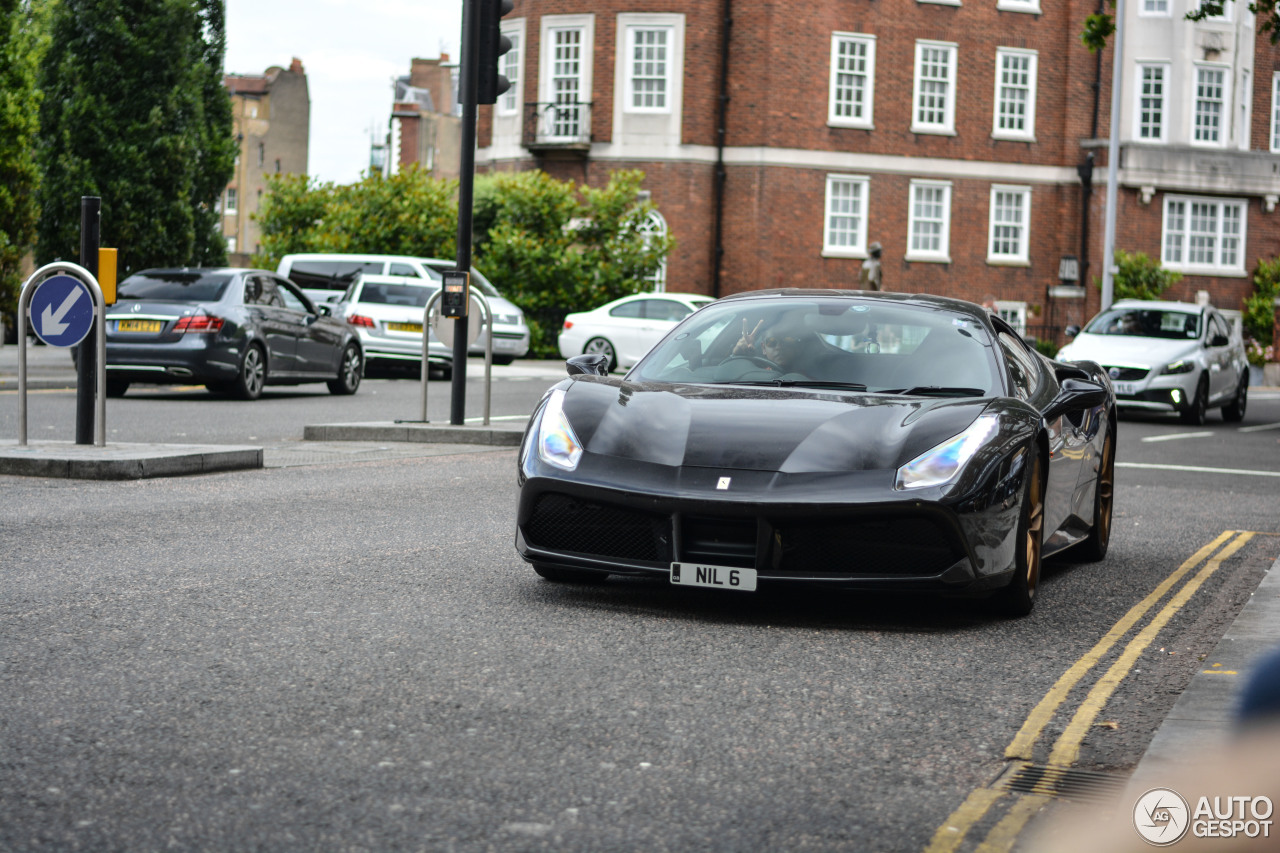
350,656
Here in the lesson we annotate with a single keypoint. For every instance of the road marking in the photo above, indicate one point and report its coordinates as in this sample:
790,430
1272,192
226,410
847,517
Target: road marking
1039,717
1258,428
1196,469
1177,435
951,834
1067,749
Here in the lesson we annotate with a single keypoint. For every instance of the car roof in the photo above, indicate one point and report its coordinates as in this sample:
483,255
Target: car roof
927,300
1189,307
226,270
379,278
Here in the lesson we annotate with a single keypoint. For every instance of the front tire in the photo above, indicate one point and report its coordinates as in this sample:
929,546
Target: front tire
1094,548
350,371
1018,597
252,378
1234,411
602,346
1198,408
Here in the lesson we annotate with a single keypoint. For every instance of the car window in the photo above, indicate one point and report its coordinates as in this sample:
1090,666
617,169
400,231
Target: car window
885,347
1217,326
1146,323
1022,366
665,309
331,275
268,293
633,309
290,299
404,270
409,295
175,285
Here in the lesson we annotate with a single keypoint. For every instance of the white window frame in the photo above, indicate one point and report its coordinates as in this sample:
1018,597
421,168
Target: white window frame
1028,132
1021,255
629,69
939,2
941,254
513,69
1224,114
1155,8
1139,79
585,25
1013,313
948,124
232,206
1275,111
1177,238
231,244
861,184
868,45
1031,6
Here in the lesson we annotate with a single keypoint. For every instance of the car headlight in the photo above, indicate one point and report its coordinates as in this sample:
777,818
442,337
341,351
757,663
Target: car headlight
557,443
944,462
1182,365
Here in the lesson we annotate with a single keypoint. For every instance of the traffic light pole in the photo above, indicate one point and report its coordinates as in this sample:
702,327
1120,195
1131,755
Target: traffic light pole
87,351
466,192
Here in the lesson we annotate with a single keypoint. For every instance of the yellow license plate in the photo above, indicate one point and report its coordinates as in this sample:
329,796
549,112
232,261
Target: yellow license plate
139,325
416,328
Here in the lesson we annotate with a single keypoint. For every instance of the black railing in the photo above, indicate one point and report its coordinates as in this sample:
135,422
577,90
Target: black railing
566,124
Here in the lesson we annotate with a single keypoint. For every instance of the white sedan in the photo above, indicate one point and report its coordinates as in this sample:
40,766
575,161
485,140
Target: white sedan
627,328
1168,356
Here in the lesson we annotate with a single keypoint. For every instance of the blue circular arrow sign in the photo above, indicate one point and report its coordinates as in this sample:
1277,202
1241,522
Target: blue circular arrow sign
61,311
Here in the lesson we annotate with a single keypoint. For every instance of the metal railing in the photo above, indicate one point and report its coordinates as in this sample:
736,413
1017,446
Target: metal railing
563,124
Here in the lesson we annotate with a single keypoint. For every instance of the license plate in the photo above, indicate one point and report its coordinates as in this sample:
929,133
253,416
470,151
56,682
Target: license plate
416,328
714,577
139,325
1128,388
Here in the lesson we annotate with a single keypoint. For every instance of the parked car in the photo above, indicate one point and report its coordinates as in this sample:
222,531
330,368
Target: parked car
326,276
510,331
627,328
234,330
386,312
834,439
1168,357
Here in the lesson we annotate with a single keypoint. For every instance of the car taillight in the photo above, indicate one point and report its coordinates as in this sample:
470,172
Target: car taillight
199,324
361,320
568,324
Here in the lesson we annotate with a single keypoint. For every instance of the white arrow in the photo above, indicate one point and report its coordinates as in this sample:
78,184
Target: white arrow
51,321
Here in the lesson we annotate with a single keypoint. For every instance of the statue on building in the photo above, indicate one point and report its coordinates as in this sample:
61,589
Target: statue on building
869,276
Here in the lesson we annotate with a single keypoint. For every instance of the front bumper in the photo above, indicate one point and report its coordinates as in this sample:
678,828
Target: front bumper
1149,390
830,530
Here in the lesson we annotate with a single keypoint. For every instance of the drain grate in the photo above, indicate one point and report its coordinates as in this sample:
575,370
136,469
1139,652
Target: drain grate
1064,783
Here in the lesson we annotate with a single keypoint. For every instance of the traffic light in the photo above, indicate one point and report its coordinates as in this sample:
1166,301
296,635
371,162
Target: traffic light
493,44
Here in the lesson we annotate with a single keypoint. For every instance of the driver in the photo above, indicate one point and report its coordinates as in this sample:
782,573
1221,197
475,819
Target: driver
782,346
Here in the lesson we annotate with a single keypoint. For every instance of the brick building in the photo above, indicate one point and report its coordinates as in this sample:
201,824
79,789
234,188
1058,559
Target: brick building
425,128
271,116
956,133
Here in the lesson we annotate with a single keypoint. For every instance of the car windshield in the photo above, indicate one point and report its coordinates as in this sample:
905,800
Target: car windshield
862,344
330,275
175,286
1146,323
395,294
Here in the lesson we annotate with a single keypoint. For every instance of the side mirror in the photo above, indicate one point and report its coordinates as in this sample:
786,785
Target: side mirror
325,308
1076,394
1072,330
589,364
1219,341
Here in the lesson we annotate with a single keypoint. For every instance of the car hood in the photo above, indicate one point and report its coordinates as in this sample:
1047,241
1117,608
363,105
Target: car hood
1123,351
789,430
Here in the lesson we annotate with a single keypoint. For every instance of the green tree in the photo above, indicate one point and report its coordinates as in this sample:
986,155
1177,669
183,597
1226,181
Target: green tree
1259,309
408,213
1140,277
23,39
558,248
1100,27
134,111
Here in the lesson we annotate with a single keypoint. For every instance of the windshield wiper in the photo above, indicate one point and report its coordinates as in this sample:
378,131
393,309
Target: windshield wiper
937,391
801,383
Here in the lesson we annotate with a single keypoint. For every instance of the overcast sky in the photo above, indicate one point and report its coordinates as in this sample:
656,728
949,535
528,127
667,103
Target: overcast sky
351,51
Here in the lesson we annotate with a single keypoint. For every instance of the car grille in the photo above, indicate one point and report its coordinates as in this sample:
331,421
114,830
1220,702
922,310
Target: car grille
1126,374
564,523
718,541
916,547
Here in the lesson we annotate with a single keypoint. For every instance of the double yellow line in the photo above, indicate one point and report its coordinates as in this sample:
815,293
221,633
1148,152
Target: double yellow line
1066,750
